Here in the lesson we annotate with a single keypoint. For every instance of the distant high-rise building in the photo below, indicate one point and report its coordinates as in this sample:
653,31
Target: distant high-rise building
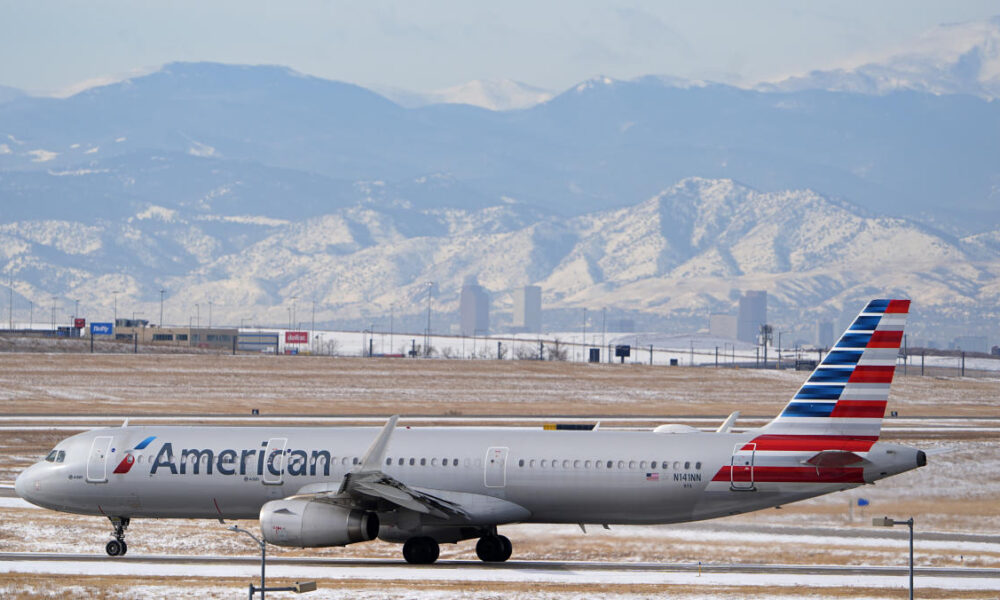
751,315
824,334
527,310
722,325
623,325
972,343
474,308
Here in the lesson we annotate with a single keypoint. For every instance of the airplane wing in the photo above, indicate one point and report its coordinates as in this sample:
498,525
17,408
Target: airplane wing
367,484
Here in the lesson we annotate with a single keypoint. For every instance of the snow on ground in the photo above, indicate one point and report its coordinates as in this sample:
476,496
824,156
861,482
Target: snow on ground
687,350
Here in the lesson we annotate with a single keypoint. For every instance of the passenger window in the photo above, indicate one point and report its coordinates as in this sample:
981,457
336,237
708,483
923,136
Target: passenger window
677,465
621,464
697,465
565,463
532,463
412,462
434,462
388,461
545,463
611,463
586,465
356,460
454,462
576,464
400,463
520,463
423,462
665,465
687,464
642,465
631,464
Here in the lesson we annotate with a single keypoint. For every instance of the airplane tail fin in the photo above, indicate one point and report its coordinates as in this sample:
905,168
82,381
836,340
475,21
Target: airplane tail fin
847,393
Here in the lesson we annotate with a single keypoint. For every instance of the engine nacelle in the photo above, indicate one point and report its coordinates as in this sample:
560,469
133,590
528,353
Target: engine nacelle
309,523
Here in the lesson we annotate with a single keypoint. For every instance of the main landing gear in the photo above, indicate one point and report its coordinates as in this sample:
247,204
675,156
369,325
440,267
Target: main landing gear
424,550
493,548
117,546
421,550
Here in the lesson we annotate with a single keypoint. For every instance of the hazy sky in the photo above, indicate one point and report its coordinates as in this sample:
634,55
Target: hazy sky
47,46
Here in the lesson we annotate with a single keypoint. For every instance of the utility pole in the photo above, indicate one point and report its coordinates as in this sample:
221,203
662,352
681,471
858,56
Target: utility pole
11,308
209,314
115,293
584,351
161,307
53,312
427,332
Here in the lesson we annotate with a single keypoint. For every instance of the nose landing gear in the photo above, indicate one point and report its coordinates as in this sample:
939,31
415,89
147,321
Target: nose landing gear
117,546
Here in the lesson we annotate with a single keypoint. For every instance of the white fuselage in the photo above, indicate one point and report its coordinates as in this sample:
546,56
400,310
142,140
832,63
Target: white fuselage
599,476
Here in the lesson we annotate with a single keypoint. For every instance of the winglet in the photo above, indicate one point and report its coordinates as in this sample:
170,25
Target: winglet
728,423
373,458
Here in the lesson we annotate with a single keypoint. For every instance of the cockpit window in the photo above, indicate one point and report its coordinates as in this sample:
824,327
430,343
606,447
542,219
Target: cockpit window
56,456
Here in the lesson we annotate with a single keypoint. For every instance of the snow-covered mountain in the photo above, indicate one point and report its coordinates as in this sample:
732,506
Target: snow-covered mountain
677,255
959,58
491,94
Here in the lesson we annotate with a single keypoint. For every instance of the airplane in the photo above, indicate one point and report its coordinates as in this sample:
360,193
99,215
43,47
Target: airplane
426,486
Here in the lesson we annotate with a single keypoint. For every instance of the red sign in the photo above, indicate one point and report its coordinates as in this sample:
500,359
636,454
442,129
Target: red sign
296,337
79,323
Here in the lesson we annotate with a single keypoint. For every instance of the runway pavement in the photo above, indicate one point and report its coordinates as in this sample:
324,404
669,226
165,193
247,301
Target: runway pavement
133,568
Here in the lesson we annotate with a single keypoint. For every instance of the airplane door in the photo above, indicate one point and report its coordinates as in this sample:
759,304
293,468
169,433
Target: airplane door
97,462
741,468
274,461
495,467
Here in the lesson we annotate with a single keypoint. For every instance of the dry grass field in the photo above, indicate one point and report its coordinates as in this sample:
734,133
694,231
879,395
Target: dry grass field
955,494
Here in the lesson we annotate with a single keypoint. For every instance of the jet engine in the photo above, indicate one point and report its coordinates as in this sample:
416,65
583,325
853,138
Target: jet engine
311,523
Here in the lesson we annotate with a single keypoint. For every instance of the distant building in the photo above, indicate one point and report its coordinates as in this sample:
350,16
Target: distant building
474,308
527,310
972,343
751,315
722,325
824,334
623,325
194,337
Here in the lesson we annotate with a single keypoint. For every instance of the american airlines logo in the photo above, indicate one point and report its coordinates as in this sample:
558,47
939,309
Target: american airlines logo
195,461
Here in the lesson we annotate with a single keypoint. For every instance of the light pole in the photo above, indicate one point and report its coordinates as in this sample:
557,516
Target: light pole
197,318
887,522
209,314
115,294
161,307
53,312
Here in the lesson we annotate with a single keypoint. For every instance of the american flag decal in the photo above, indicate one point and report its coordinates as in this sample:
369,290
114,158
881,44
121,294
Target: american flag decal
652,476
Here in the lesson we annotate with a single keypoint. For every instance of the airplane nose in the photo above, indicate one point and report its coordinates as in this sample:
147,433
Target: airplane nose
22,484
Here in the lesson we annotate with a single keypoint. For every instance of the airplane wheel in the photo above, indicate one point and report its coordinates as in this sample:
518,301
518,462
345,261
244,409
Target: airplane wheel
493,548
124,548
421,550
508,548
115,548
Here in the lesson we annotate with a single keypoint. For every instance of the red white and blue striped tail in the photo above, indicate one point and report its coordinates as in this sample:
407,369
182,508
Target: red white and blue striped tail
847,393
